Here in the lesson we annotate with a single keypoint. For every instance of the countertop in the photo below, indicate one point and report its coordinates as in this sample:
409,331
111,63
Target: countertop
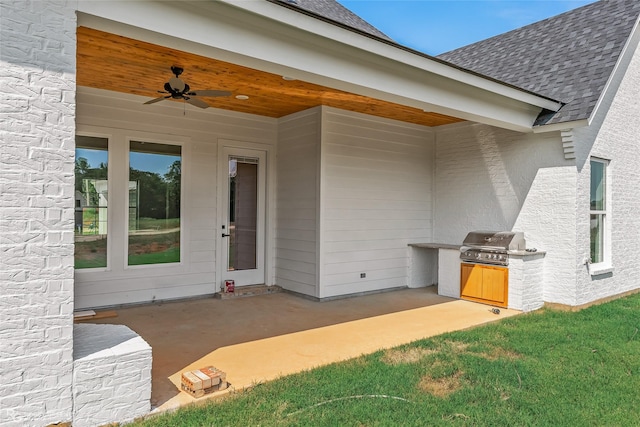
523,253
435,246
431,245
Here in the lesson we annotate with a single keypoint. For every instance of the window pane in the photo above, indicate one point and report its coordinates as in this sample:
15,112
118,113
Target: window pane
597,238
91,202
597,186
154,203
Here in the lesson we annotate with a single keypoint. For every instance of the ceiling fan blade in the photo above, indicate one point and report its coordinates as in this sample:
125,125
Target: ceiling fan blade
210,93
153,101
196,102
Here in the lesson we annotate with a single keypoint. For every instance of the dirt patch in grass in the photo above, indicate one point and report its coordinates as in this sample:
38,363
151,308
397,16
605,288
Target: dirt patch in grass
457,346
495,353
409,355
498,353
441,387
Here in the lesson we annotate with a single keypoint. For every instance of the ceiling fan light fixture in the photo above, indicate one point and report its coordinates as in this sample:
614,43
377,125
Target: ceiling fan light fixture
176,88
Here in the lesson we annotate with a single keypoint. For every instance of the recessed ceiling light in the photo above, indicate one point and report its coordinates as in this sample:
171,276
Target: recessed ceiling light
242,97
287,78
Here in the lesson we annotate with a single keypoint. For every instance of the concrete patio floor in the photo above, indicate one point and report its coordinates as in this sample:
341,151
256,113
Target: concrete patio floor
259,338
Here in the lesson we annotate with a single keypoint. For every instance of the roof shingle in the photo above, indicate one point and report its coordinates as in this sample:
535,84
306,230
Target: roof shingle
334,11
569,57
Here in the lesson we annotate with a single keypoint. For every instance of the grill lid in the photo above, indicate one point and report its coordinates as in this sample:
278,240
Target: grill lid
495,240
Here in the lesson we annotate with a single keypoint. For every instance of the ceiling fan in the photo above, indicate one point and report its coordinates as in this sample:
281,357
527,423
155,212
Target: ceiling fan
177,89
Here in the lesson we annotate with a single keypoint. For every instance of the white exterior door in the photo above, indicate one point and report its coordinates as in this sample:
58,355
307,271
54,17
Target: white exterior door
242,195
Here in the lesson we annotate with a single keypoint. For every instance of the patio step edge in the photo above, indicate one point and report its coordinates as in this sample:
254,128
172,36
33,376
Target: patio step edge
249,291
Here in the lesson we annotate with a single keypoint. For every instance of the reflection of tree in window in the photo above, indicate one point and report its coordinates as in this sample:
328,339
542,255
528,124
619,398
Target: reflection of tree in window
91,199
154,203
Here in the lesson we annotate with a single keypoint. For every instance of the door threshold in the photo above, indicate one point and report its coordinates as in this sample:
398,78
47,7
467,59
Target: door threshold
248,291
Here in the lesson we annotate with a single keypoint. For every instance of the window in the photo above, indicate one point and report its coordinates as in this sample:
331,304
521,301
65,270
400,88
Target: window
91,197
598,211
154,203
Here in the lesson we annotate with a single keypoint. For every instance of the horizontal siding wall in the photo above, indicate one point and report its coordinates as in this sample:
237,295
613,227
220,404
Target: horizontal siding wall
376,198
494,179
122,116
297,201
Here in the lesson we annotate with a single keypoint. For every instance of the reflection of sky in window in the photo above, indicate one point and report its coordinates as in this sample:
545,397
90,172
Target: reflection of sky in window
156,163
94,157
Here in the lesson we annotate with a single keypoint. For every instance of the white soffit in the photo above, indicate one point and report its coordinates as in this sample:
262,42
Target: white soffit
293,44
388,50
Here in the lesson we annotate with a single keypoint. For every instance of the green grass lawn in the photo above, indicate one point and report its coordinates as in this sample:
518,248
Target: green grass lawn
547,368
166,256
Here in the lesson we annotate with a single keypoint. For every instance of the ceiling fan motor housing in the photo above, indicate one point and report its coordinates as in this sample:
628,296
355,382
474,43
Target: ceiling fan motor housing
176,92
176,88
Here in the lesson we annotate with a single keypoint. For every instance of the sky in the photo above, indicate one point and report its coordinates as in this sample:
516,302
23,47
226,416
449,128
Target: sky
141,161
437,26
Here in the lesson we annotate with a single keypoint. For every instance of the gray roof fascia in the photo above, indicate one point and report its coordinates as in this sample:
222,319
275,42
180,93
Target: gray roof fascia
415,58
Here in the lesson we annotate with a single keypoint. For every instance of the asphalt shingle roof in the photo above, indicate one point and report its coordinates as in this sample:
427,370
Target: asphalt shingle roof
334,11
569,57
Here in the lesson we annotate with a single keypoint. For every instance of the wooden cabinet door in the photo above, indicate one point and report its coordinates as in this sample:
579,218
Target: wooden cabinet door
471,280
494,285
484,283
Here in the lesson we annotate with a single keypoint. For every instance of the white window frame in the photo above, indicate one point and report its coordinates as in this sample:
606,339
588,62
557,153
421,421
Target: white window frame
604,266
181,142
108,137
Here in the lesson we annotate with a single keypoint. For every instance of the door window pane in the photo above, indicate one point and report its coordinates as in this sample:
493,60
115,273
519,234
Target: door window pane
91,199
154,203
243,213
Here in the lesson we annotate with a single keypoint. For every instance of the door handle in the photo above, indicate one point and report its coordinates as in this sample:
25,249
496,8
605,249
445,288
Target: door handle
225,235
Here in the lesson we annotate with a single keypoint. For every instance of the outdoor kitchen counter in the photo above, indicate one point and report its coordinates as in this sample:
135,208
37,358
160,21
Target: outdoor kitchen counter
526,253
439,264
435,264
435,246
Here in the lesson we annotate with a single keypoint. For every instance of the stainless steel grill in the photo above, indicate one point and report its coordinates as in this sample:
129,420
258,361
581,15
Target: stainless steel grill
491,247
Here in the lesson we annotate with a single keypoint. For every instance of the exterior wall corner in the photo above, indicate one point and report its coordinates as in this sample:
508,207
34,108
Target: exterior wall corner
36,214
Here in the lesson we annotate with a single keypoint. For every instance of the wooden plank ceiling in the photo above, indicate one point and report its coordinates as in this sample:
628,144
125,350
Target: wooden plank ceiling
111,62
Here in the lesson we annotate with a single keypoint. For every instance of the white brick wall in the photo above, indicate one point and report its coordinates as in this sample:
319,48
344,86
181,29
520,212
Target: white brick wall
493,179
526,278
614,136
111,375
37,126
